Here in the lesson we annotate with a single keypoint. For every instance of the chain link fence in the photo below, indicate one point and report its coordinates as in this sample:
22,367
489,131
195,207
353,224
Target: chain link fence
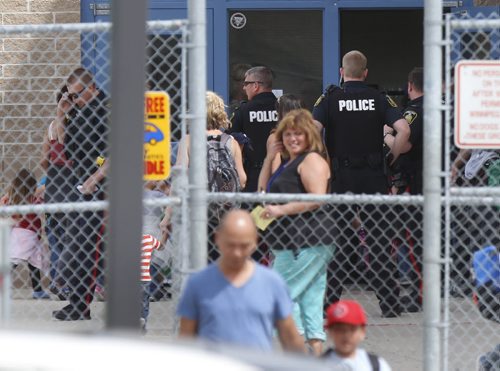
55,128
471,297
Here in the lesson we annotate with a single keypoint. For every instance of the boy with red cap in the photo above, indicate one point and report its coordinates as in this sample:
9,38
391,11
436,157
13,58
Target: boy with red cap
346,327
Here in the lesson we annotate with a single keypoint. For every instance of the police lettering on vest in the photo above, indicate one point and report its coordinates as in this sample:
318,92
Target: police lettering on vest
263,116
357,105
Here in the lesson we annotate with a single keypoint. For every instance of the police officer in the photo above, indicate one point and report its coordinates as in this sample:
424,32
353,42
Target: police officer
85,144
407,177
256,118
353,117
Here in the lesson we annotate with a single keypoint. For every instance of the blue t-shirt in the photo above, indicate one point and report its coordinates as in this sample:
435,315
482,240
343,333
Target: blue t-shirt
243,315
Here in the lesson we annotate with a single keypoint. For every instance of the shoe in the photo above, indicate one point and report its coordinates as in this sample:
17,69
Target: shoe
69,313
143,325
391,313
99,293
410,305
37,295
61,293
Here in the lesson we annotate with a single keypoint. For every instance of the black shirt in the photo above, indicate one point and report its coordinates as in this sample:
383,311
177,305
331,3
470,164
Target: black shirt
353,117
413,113
86,136
256,119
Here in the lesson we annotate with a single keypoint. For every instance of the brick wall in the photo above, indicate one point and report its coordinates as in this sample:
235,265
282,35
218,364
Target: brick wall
32,69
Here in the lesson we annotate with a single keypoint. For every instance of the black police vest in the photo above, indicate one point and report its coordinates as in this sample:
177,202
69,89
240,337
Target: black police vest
355,123
259,118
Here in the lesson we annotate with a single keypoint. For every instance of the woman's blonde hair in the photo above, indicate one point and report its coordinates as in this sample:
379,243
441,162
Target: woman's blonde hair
216,112
301,119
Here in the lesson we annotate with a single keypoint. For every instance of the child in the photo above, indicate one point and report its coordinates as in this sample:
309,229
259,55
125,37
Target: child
25,245
346,327
149,243
151,217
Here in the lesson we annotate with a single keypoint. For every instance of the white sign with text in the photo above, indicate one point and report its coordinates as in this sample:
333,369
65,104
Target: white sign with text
477,104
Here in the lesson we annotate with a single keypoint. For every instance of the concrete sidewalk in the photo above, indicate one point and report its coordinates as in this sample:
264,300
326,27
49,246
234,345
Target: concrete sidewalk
398,340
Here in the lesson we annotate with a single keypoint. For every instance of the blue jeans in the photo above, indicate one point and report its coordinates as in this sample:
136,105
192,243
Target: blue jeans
145,300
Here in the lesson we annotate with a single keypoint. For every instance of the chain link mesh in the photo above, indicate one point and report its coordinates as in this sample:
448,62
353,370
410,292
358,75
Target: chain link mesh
55,128
367,248
473,309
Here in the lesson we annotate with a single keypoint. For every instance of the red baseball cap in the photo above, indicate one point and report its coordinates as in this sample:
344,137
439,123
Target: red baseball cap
345,311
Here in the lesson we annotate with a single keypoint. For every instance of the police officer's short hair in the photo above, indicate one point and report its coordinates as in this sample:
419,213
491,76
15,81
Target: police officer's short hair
263,75
82,76
287,103
354,64
416,77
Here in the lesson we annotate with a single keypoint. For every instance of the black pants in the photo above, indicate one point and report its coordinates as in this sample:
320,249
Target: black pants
411,233
253,173
83,257
376,220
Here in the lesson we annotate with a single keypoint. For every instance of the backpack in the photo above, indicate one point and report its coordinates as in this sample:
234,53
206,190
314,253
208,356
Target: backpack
373,358
221,168
486,266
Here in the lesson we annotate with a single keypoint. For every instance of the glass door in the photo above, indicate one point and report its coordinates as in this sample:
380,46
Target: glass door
290,42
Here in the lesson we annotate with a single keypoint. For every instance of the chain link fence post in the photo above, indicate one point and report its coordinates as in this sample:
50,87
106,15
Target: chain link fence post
5,280
432,182
127,112
197,72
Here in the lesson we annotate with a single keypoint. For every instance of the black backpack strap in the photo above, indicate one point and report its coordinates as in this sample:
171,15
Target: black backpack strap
327,353
374,362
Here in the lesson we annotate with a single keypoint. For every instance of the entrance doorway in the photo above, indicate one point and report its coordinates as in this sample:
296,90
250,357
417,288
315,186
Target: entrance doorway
392,40
290,42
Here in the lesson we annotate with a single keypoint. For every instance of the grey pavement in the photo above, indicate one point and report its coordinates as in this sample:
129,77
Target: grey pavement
398,340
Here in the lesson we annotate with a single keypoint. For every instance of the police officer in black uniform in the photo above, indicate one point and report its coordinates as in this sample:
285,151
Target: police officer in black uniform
353,117
406,176
85,144
256,118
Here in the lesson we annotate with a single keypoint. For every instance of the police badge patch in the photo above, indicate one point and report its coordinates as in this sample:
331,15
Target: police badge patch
410,116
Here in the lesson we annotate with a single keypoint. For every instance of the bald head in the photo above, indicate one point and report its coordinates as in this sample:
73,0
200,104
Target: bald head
354,65
236,239
237,221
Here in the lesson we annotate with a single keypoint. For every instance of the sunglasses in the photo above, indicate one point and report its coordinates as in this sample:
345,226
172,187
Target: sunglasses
246,83
74,96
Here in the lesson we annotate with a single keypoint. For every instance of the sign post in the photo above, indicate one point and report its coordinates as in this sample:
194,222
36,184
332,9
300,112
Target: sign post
477,104
156,135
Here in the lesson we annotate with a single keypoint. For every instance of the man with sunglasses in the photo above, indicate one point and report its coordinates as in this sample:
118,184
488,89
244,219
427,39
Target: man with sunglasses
256,118
85,143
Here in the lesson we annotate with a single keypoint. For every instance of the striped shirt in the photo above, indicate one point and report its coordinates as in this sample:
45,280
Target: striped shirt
148,244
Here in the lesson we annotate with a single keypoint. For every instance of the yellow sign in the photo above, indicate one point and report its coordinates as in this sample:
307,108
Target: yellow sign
156,135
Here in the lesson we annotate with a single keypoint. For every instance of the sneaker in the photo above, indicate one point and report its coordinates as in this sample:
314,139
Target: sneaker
392,312
69,313
99,293
37,295
61,293
410,305
143,325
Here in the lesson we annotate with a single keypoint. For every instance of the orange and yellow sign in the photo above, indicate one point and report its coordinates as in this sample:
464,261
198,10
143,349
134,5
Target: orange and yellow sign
156,135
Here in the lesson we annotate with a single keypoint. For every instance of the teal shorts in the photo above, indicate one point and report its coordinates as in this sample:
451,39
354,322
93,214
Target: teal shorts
305,275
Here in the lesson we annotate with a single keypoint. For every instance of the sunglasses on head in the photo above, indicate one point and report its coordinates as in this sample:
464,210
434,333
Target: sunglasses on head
246,83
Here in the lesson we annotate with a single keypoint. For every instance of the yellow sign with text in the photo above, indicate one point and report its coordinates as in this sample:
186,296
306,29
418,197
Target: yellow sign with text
156,135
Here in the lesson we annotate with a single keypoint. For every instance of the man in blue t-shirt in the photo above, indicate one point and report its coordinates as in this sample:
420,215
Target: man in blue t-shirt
236,300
